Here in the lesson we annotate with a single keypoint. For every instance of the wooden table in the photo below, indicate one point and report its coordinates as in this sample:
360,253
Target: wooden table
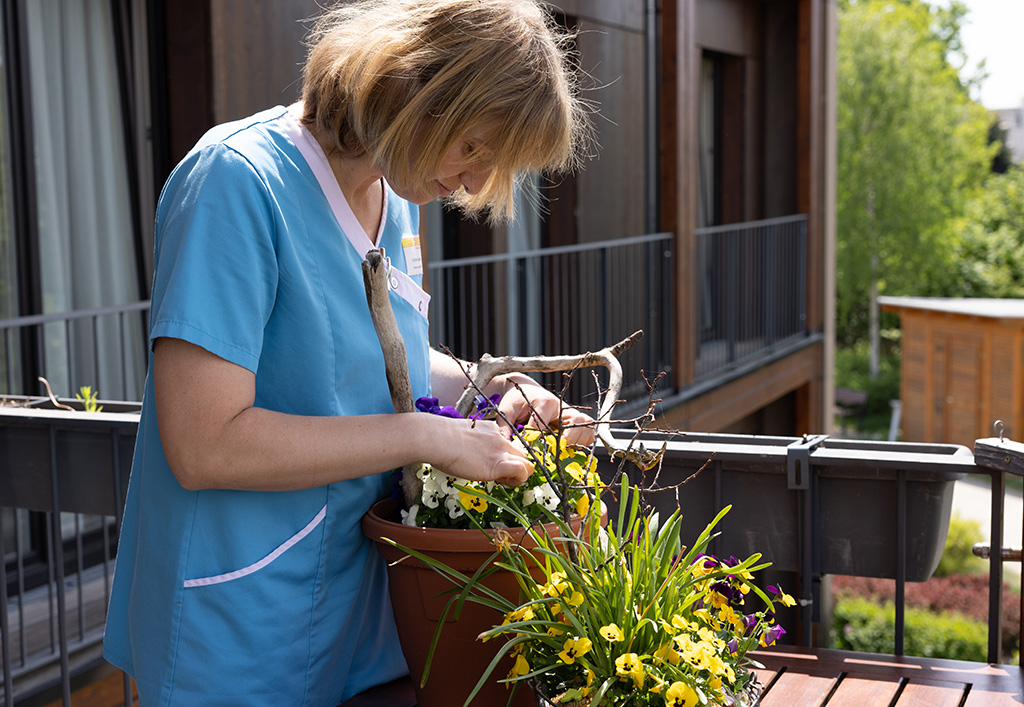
809,677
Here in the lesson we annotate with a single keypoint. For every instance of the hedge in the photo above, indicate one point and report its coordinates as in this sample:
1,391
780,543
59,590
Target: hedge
861,625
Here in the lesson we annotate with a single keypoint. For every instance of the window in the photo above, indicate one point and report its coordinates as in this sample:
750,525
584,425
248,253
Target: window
70,236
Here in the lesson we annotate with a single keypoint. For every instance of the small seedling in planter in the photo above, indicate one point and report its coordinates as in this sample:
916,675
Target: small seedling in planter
85,394
89,399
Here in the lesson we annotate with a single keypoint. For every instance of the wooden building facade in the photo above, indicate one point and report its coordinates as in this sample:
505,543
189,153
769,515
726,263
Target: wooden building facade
715,134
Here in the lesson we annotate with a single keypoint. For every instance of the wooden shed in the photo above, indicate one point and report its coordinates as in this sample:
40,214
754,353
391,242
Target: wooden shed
963,367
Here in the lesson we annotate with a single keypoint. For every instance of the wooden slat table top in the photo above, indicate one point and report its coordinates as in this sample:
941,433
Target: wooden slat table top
815,677
794,676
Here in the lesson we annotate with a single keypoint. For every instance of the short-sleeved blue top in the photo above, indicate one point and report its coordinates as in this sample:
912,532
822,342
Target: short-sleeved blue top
262,598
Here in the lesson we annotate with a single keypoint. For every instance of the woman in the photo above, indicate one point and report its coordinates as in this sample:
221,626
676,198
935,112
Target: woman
242,575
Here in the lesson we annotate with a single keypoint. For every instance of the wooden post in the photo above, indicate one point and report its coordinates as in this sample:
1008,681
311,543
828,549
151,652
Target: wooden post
1005,456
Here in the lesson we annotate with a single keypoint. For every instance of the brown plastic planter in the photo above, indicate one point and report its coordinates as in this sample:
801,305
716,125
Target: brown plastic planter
853,487
58,459
418,597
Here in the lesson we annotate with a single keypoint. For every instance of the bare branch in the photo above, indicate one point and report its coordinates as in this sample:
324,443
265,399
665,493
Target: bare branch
53,399
489,367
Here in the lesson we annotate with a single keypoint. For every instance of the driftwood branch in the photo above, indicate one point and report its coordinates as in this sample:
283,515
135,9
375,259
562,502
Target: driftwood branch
375,280
488,368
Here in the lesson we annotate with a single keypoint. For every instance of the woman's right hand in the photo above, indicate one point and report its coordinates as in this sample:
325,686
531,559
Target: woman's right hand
477,450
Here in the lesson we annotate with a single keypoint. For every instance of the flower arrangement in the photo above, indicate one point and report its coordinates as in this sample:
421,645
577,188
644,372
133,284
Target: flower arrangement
626,615
562,475
607,615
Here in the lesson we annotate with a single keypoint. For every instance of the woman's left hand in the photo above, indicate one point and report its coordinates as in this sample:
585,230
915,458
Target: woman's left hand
527,403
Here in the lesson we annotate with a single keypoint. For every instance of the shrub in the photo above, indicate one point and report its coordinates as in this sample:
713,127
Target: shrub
852,371
958,557
859,624
956,595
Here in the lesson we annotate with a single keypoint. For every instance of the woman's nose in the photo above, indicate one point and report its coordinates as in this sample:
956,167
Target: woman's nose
473,180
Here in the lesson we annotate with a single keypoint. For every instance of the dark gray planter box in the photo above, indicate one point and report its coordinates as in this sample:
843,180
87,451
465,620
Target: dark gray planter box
852,502
58,459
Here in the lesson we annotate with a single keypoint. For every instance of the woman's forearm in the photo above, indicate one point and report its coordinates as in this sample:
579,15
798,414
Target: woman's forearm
214,437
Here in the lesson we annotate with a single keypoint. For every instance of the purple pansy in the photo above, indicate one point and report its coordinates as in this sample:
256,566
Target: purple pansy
431,405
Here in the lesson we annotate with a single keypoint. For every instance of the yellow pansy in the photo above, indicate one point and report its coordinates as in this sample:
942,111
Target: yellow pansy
524,613
531,435
612,633
682,624
668,654
574,597
583,505
628,665
716,665
574,648
698,569
786,599
574,470
679,694
472,503
718,600
522,667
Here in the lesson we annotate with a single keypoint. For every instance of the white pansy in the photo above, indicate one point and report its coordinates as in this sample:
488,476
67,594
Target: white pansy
433,484
448,484
529,496
432,497
454,507
546,496
409,516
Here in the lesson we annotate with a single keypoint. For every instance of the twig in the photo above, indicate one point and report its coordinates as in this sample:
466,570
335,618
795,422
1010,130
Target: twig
53,398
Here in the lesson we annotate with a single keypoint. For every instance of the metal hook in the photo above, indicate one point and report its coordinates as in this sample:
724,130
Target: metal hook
998,428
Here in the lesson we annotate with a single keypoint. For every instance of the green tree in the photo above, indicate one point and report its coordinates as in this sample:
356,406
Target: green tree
989,247
912,147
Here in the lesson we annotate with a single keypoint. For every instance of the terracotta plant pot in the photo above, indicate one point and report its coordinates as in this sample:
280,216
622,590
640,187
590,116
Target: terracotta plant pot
419,595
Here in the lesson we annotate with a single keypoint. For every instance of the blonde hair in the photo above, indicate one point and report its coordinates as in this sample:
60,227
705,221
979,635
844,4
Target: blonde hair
383,73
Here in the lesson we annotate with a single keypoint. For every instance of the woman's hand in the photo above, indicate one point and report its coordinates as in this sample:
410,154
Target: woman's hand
478,450
527,403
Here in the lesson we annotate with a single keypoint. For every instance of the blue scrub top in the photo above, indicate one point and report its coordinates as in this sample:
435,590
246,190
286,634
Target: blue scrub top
262,598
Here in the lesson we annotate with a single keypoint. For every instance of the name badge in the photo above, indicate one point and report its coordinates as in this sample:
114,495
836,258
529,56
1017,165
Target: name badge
413,257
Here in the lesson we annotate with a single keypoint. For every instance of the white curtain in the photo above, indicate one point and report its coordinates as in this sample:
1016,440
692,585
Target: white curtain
85,236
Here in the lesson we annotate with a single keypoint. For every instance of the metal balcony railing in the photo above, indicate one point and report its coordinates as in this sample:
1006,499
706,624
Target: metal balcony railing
811,505
103,348
751,291
568,300
61,494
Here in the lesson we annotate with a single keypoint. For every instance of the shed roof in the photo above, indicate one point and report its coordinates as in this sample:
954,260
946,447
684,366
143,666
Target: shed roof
970,306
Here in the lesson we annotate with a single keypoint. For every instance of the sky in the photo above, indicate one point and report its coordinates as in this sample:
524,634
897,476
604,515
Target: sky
994,31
